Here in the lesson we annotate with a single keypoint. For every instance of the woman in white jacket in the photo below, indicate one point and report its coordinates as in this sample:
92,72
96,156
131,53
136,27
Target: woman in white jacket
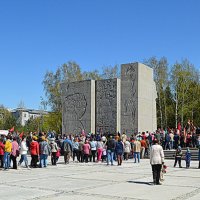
23,152
156,161
127,149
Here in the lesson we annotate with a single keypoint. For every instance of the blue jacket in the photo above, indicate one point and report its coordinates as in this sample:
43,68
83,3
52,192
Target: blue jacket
119,149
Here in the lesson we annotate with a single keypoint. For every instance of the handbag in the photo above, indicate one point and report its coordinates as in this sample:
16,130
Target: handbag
17,153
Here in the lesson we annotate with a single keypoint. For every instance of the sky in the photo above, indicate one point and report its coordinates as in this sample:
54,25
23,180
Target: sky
37,36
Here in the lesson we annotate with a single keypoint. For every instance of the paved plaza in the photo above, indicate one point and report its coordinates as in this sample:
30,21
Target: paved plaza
97,181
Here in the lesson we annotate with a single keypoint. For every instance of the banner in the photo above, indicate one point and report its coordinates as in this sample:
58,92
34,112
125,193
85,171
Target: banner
4,132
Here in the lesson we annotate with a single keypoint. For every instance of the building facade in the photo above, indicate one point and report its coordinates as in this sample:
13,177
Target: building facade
22,115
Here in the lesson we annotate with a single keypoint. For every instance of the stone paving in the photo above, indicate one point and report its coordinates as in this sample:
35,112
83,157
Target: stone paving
97,181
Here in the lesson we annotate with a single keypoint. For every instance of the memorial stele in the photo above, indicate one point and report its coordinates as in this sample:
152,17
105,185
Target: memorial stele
111,105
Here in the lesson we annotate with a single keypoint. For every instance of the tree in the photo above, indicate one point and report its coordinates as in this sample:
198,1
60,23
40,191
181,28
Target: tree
68,72
169,107
7,121
110,72
53,122
93,75
182,77
160,68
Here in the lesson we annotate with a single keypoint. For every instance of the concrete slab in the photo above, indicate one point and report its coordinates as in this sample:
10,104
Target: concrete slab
15,192
100,182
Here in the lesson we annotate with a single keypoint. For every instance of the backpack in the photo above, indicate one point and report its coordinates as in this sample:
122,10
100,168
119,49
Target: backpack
67,147
92,144
45,149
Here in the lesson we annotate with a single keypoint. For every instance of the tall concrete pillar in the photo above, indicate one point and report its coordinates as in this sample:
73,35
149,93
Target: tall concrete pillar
78,103
138,98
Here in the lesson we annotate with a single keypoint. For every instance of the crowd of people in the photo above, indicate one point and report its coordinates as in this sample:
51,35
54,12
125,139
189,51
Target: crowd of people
108,148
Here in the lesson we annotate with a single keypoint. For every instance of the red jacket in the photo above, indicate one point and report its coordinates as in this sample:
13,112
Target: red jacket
34,148
2,148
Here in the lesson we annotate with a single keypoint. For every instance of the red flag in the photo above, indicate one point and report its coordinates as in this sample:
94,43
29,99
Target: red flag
21,135
179,126
12,129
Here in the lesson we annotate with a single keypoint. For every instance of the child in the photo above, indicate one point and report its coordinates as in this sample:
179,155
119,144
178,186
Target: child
178,157
162,172
187,157
104,152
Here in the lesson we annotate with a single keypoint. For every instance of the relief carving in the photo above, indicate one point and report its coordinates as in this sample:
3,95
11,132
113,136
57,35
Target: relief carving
75,108
106,105
129,101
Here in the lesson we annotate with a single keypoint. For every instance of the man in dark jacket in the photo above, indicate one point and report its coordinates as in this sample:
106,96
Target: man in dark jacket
110,150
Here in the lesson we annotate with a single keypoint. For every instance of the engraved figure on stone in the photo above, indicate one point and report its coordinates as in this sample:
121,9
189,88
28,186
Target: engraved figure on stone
130,100
106,106
75,109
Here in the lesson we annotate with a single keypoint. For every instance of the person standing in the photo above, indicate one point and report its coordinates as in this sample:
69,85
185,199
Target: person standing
156,161
23,152
178,156
100,145
127,149
123,137
110,150
176,140
54,149
93,145
2,147
137,149
34,151
171,140
44,152
7,152
75,145
86,150
119,149
143,147
81,143
67,148
188,157
14,153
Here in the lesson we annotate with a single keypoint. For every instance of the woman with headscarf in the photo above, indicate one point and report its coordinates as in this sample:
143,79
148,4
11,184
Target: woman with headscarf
156,161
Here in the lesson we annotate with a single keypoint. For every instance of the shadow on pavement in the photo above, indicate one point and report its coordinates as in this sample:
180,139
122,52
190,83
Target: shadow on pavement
140,182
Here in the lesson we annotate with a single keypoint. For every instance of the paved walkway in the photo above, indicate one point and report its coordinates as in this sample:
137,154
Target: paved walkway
80,181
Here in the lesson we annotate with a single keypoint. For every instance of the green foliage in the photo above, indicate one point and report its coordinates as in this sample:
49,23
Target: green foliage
178,88
110,72
68,72
7,121
53,122
178,91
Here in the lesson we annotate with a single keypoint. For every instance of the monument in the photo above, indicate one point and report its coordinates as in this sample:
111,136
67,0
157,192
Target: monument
138,98
112,105
108,106
78,107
